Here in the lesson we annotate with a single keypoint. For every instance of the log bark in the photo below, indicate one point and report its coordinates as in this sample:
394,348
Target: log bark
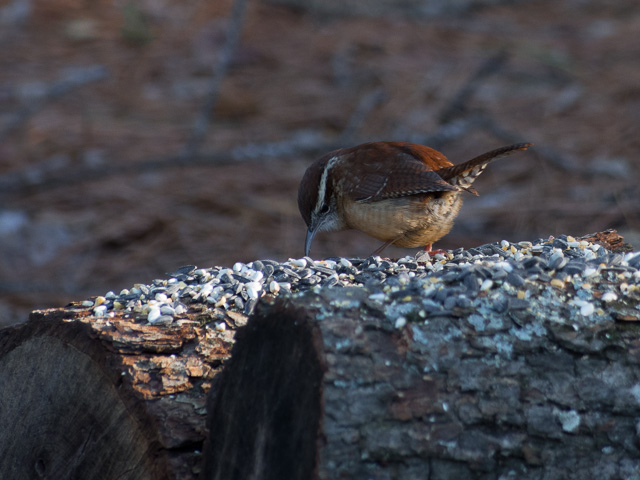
327,385
104,398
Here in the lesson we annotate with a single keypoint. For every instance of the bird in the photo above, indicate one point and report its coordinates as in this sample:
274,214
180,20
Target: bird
401,193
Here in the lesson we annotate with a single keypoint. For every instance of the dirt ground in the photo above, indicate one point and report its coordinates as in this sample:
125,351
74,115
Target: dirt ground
98,99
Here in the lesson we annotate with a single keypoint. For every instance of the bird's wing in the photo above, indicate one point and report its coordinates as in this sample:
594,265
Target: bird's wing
394,169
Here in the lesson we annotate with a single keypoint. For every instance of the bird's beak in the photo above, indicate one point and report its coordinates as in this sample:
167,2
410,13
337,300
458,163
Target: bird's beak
311,232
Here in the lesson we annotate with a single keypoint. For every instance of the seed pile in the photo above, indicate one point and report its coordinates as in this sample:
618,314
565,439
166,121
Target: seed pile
478,283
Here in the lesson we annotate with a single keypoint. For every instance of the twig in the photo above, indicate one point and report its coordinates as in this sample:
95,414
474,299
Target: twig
301,144
368,102
447,132
74,79
458,104
455,120
205,116
52,176
558,160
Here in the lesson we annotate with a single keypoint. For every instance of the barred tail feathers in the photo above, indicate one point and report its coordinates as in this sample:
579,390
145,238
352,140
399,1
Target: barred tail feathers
464,174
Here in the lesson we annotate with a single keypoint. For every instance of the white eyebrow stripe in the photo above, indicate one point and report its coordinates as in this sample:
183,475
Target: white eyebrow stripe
322,188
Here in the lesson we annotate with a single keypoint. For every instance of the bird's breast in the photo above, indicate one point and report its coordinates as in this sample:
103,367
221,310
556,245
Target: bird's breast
411,221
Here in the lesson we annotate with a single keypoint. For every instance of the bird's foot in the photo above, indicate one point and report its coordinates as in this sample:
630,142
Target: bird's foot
428,252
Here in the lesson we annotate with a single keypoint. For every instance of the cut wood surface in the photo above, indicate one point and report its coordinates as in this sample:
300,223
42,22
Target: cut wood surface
416,377
104,398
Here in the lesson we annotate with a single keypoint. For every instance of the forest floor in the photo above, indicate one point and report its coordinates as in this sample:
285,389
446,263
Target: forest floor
98,100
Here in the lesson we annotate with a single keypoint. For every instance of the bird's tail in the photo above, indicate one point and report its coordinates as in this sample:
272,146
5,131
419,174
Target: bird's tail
464,174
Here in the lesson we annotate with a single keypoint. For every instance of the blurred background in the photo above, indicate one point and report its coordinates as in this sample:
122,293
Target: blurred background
137,137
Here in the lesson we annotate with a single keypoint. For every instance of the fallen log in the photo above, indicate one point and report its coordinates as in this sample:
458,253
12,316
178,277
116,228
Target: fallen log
327,386
508,359
505,376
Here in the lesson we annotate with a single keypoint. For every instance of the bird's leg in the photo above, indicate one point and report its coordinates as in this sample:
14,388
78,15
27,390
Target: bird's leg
379,250
432,253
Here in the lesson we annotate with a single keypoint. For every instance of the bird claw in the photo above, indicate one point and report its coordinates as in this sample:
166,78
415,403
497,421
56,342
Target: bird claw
429,253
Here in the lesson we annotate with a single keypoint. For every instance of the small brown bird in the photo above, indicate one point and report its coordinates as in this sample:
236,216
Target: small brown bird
401,193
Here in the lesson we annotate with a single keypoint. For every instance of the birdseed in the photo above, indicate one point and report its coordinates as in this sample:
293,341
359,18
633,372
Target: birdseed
525,278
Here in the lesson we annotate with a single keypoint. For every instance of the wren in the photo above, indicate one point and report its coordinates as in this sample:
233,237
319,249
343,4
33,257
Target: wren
401,193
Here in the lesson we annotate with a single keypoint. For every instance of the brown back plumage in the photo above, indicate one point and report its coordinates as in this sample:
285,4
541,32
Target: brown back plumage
394,169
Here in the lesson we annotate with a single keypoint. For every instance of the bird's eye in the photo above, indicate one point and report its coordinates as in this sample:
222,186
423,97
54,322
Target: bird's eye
325,209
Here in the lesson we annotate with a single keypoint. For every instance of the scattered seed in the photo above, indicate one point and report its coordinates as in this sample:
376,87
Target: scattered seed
486,285
510,275
587,309
154,314
299,262
274,287
557,283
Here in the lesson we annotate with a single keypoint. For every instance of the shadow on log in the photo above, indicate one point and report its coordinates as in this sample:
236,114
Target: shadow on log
266,420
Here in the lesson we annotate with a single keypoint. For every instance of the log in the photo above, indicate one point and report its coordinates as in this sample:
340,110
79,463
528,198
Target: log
408,378
319,391
105,397
331,384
